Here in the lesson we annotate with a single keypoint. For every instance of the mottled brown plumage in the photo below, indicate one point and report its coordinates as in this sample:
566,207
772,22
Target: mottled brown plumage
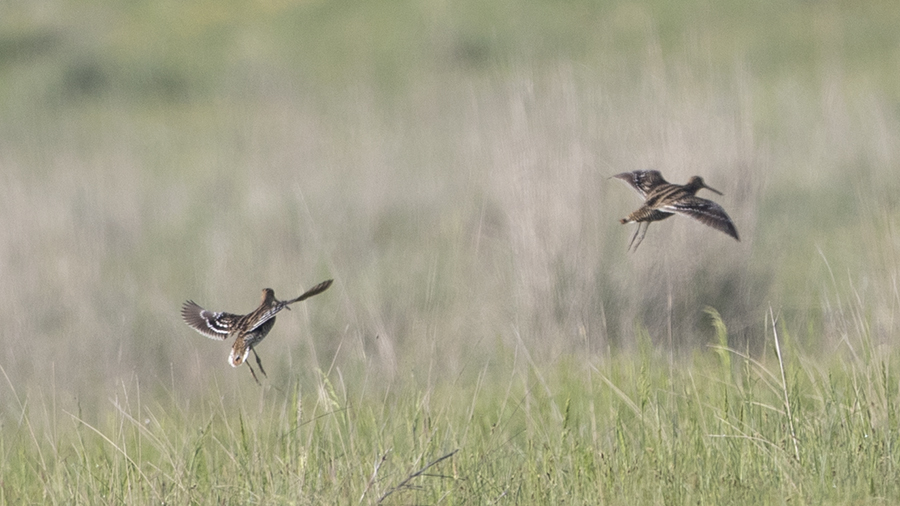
248,329
662,199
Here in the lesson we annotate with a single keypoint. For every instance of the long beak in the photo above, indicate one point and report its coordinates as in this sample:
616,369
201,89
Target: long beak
710,188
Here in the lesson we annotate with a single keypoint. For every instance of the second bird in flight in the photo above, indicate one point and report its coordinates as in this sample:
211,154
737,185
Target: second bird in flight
662,199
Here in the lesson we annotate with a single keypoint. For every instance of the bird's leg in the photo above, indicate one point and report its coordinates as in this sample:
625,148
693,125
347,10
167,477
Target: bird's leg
254,375
634,236
259,363
645,225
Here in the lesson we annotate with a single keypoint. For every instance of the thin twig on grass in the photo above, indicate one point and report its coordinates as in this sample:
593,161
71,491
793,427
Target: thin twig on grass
415,475
374,474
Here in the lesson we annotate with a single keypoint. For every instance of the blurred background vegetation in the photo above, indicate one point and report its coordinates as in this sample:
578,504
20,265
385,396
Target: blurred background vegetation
447,164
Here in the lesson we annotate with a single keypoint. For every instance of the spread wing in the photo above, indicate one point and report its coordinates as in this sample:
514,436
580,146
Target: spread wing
643,181
706,212
265,314
316,290
211,324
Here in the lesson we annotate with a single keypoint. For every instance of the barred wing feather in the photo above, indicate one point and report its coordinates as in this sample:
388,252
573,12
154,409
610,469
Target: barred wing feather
209,323
705,211
643,181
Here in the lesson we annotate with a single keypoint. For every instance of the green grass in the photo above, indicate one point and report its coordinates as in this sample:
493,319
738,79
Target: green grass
732,430
447,165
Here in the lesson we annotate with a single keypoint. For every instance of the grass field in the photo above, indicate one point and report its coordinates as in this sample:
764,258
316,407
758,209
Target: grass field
488,339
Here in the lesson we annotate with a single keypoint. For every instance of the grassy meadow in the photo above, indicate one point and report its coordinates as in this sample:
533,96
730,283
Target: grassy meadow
488,339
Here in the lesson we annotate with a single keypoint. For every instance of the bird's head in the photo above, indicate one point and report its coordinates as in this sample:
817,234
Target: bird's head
697,182
268,295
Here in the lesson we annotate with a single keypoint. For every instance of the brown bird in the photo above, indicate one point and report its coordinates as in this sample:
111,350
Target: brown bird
662,199
248,329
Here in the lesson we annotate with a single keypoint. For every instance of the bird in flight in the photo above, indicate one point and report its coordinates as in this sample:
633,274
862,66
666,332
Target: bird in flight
662,199
249,329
